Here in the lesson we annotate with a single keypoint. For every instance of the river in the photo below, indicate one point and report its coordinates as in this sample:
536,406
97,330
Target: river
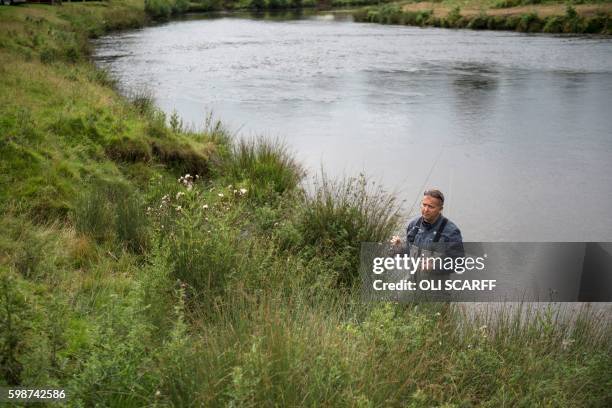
516,129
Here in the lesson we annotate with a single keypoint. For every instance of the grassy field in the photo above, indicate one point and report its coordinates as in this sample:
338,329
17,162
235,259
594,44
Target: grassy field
143,263
592,17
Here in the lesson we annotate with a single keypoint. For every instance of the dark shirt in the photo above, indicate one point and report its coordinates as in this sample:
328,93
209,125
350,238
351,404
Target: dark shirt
421,234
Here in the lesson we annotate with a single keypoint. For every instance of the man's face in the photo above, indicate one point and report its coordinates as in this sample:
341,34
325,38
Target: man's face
430,208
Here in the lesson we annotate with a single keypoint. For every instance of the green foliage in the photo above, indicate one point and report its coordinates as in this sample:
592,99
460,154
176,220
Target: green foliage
14,319
529,22
159,9
265,168
112,211
236,302
514,3
258,4
571,22
339,215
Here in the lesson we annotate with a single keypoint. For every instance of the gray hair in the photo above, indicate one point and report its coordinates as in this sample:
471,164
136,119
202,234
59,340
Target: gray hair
435,194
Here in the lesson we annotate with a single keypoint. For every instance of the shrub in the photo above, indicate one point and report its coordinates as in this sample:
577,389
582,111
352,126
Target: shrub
553,24
339,215
258,4
479,22
160,9
529,22
180,6
454,16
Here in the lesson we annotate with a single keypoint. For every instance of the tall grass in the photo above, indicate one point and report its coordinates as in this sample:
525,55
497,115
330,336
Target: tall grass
264,166
337,216
109,211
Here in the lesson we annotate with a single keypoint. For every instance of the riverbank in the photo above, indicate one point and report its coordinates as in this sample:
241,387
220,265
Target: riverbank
548,18
128,282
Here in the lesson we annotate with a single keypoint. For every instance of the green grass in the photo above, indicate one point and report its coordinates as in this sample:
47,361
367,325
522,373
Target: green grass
570,22
129,282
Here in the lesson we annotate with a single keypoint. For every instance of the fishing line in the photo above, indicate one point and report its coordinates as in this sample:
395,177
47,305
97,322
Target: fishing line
426,180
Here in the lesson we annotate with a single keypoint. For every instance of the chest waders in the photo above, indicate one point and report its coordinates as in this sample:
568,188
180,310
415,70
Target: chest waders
416,251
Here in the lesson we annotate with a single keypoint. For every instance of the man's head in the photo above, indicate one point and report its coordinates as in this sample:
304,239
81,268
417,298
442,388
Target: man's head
432,205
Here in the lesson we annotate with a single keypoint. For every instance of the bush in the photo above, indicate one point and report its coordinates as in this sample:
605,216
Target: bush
529,22
553,24
159,9
339,215
479,22
453,17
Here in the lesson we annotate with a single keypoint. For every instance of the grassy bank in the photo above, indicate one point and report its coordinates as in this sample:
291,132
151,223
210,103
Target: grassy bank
523,15
143,263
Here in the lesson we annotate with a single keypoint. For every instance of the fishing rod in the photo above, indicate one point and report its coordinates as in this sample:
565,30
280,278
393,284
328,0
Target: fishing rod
433,166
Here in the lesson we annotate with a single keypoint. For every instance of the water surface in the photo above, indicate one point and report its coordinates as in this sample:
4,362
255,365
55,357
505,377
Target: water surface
514,128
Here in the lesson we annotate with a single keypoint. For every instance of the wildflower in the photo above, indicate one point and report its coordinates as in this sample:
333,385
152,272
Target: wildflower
220,194
157,394
395,240
179,194
179,208
243,191
205,207
187,181
438,314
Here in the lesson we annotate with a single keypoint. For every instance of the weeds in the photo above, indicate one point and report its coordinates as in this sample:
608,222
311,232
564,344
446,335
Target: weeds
264,167
339,215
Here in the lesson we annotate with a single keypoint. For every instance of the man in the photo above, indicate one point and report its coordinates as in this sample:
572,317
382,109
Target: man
432,234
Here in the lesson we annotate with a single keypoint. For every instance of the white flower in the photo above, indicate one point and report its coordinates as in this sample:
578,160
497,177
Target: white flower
243,191
220,194
179,208
205,207
179,194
